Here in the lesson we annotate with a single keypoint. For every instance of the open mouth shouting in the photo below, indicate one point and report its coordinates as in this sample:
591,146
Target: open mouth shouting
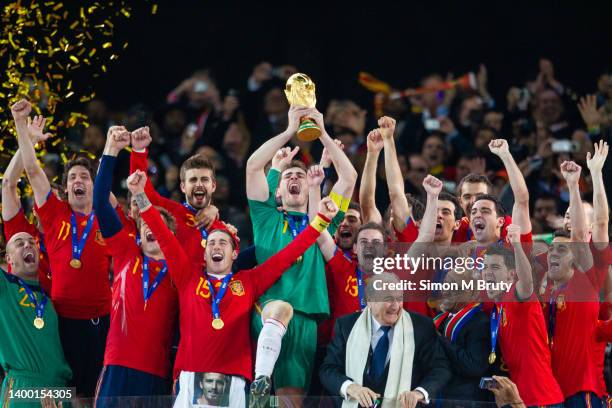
79,190
479,225
150,237
199,195
294,188
217,257
29,257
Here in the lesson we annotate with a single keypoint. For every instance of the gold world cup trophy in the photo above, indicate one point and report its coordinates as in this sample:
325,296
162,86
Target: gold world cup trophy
300,91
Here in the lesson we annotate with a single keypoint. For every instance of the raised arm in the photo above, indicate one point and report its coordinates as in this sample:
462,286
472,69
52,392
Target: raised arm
427,229
595,164
367,188
116,139
395,181
37,177
524,284
579,233
520,210
347,175
314,178
10,200
178,262
256,184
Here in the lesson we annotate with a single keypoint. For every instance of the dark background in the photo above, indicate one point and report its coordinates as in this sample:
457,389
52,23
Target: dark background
398,42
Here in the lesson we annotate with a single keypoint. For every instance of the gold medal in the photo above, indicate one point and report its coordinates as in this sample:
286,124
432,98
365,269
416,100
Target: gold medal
492,357
39,323
203,243
217,324
75,263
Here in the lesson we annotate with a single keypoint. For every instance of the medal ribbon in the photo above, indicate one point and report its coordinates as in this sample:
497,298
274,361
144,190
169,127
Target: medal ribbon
79,244
293,227
216,298
361,289
552,313
148,291
203,231
496,316
38,306
456,323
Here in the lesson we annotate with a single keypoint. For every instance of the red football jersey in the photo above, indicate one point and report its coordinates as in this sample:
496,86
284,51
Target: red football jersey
139,338
574,341
77,293
186,231
341,275
19,223
523,341
203,348
409,234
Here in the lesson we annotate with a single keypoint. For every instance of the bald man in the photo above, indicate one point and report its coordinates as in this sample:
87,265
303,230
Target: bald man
30,350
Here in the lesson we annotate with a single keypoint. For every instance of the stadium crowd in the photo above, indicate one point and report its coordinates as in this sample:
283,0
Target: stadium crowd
209,253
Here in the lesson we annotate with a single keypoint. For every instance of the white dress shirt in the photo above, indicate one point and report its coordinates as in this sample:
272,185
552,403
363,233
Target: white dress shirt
377,334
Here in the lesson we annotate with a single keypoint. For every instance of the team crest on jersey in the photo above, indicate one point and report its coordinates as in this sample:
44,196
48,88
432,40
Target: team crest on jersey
99,240
236,288
561,303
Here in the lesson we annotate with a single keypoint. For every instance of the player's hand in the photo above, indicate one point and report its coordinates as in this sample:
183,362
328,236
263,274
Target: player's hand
206,216
570,172
432,185
326,160
363,395
315,176
375,141
596,162
117,138
136,182
296,113
21,110
283,157
513,234
35,129
318,119
141,138
387,127
328,208
499,147
410,399
505,392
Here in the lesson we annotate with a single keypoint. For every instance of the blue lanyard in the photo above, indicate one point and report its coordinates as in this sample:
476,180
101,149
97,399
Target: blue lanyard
38,306
496,316
216,298
138,238
361,289
348,254
293,227
552,313
41,243
203,231
148,291
79,244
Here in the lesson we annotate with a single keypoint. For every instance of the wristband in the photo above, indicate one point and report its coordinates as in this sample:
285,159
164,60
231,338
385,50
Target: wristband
345,204
320,223
336,198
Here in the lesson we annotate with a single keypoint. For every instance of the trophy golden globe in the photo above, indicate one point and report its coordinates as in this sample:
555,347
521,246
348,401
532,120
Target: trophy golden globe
300,91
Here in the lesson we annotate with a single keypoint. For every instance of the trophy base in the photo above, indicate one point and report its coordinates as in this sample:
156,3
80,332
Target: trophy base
308,130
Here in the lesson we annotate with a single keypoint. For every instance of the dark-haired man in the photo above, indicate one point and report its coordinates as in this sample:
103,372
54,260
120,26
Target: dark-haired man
198,183
137,355
303,286
78,256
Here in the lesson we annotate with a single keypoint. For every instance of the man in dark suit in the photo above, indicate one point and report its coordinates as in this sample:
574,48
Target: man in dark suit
465,338
384,352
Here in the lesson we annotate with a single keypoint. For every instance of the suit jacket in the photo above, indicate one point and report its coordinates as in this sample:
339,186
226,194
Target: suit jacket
469,360
430,368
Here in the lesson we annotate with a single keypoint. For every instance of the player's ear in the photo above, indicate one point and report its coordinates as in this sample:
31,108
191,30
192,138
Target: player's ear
500,221
457,224
234,255
183,187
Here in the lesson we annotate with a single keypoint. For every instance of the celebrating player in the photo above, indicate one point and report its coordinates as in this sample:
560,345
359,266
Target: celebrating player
137,357
303,286
78,258
216,301
30,351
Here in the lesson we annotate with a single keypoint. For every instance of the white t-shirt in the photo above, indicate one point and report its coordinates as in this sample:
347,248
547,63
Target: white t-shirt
210,390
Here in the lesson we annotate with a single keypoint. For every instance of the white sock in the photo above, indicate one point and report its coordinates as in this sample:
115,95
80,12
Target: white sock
268,347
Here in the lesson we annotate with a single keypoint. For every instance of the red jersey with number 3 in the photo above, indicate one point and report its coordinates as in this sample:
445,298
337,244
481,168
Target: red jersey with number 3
186,231
77,293
139,338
